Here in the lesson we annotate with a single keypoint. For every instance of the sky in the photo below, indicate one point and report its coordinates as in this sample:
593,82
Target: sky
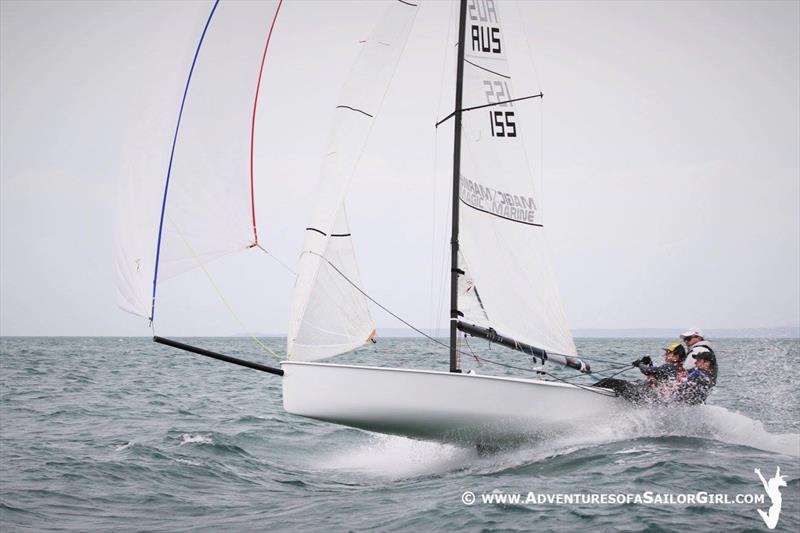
667,149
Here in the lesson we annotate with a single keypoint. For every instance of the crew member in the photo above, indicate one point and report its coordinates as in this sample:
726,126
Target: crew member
696,343
699,382
663,380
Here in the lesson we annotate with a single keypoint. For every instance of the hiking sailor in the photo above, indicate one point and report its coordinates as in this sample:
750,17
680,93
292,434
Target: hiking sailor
700,380
693,338
661,383
663,380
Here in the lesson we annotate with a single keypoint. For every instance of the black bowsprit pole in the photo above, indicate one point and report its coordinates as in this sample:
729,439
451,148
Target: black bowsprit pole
218,356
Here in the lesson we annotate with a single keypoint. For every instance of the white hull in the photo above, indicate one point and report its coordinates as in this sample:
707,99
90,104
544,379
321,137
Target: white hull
438,406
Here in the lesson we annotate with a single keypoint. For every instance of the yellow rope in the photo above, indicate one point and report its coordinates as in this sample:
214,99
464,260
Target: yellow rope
220,294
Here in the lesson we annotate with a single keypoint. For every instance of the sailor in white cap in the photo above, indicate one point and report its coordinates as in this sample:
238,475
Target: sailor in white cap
697,345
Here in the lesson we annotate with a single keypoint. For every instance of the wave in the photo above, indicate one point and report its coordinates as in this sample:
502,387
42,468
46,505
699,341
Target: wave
125,446
391,457
705,422
213,442
187,462
186,438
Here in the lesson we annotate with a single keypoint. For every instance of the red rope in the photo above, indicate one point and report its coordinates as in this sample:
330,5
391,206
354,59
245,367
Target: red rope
253,124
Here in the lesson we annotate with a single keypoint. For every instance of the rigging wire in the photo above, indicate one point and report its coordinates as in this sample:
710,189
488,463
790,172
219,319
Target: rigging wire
436,310
541,107
437,341
471,351
557,378
373,300
612,363
542,371
368,136
600,373
284,265
219,292
618,372
442,266
528,45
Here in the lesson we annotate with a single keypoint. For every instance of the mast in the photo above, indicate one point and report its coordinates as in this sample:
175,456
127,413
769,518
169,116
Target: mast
462,23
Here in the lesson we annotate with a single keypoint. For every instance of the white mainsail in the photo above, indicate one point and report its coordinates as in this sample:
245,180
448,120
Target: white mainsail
501,234
329,315
469,299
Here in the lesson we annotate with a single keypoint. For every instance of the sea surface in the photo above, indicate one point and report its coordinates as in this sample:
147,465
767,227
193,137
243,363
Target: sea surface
123,434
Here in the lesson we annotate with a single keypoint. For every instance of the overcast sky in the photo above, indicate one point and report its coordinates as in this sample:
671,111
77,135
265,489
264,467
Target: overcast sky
669,152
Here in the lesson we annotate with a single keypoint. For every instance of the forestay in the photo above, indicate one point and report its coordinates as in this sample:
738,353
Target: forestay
501,233
329,315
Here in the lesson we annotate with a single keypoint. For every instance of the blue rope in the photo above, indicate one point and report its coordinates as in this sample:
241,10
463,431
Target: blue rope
171,156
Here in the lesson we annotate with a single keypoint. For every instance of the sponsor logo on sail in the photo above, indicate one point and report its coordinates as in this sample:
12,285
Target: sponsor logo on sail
505,204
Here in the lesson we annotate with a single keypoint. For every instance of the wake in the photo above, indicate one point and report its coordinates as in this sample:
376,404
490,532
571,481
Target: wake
705,422
402,458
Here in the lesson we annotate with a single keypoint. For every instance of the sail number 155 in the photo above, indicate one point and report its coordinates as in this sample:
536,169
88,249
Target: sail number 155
502,123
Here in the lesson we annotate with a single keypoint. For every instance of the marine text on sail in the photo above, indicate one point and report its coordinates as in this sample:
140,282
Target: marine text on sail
514,207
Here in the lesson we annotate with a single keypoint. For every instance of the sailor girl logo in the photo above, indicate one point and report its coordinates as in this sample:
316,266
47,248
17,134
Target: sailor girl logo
773,488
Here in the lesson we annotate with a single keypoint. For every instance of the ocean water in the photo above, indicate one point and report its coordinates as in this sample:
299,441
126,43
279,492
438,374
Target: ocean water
126,435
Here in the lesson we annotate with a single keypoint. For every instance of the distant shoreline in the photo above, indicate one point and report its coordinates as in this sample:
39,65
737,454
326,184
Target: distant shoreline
787,332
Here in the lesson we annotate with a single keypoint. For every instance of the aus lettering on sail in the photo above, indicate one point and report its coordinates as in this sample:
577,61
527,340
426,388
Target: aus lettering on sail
505,204
487,43
484,26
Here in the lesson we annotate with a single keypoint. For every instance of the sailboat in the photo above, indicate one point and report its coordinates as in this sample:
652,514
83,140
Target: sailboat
501,289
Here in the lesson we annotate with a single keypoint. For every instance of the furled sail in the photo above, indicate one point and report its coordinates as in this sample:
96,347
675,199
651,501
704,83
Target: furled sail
329,315
501,233
203,210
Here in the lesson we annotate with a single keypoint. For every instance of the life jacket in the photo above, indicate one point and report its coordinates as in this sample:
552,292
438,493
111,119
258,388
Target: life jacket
682,374
696,388
668,387
704,346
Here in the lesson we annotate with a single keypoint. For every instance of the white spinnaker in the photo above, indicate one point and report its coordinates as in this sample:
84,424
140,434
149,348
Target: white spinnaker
137,213
319,326
208,205
501,233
